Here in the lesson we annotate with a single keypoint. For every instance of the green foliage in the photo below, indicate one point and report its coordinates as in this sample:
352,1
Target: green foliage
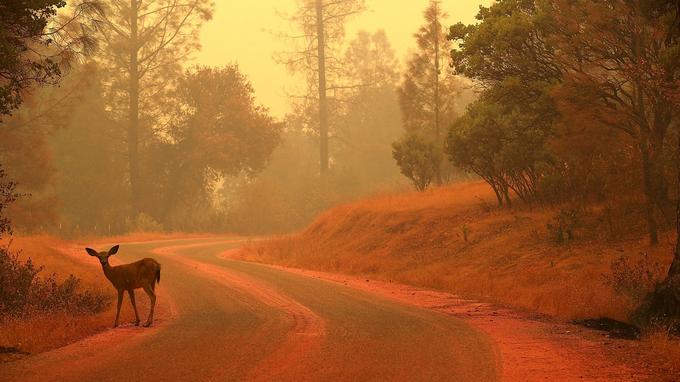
23,292
23,25
429,92
504,143
510,41
7,197
418,158
39,39
219,132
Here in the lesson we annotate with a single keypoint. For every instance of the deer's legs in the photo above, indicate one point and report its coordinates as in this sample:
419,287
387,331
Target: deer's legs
152,297
120,302
131,292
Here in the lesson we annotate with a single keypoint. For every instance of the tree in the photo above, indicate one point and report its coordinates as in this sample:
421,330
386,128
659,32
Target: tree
7,197
220,132
322,27
58,140
36,44
504,143
622,60
89,180
662,306
608,61
145,43
428,92
369,120
418,158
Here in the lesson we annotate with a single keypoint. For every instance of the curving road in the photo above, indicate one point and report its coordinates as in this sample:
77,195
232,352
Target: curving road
242,321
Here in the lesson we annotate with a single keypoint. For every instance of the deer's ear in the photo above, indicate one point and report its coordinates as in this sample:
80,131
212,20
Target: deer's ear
92,252
113,250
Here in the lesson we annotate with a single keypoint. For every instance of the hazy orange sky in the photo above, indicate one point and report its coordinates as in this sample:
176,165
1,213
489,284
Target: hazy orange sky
245,31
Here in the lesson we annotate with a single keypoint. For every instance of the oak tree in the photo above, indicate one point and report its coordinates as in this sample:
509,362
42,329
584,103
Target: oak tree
144,43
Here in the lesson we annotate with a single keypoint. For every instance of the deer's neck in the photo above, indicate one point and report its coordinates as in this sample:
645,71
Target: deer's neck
108,271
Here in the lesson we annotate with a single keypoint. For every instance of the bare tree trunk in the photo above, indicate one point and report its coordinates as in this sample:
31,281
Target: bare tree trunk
435,31
323,102
650,194
674,269
133,127
662,306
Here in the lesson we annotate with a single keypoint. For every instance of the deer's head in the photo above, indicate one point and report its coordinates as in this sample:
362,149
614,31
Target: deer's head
103,256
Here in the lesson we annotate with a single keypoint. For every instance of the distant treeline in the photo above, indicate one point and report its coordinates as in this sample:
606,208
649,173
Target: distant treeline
131,140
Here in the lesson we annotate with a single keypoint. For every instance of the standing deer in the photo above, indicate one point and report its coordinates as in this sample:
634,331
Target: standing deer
144,273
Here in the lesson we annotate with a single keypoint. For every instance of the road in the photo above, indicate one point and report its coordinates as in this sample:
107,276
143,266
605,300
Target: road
243,321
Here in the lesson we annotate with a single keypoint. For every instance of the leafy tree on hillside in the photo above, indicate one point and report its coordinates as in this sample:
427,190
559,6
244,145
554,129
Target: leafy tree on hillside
618,62
609,71
418,158
504,144
662,306
429,90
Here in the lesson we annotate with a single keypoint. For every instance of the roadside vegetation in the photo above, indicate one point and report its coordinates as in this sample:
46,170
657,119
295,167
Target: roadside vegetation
39,309
48,305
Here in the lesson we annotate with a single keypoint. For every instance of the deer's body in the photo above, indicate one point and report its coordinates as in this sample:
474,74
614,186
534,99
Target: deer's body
134,275
145,274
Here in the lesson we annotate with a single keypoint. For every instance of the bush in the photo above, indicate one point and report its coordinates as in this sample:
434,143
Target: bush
143,223
419,160
23,292
563,225
634,280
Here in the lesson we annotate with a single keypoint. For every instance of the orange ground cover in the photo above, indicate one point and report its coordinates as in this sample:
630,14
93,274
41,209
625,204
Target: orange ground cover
64,258
508,257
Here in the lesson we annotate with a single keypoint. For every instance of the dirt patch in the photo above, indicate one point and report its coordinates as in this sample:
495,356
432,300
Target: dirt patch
530,347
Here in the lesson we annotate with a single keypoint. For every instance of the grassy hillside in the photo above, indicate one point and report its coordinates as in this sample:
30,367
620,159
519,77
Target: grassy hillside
456,239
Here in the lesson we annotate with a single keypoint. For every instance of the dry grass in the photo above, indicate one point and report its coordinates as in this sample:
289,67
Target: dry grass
509,256
41,333
666,350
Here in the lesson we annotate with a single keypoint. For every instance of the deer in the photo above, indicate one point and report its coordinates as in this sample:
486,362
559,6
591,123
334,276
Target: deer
145,274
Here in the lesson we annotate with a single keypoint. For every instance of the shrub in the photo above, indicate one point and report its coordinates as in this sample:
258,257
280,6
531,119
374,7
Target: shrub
563,225
418,158
23,292
143,223
634,280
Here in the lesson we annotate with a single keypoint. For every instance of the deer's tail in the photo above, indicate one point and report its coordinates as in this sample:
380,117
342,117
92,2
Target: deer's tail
158,274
